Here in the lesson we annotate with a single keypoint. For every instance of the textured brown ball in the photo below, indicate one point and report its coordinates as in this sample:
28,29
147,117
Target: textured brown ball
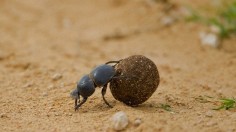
138,80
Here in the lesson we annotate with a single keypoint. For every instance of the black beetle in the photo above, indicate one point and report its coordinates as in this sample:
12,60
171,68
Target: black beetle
99,77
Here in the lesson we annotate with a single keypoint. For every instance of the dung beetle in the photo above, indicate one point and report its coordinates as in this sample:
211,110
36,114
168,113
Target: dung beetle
98,77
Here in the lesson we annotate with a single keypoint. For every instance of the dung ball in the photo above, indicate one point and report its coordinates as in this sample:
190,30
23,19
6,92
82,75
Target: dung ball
137,80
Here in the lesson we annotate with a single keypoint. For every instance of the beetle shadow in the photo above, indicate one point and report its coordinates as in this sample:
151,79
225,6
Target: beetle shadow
101,107
149,107
154,107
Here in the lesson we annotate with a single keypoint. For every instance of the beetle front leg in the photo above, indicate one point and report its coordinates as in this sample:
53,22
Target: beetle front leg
104,89
81,103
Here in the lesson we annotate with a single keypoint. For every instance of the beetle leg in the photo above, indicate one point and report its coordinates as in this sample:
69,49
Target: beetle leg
79,97
113,62
104,89
82,102
76,102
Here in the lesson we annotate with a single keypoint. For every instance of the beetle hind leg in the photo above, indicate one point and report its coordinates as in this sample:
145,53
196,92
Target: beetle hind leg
104,89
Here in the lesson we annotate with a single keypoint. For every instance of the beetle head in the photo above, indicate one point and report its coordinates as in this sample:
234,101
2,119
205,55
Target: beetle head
75,94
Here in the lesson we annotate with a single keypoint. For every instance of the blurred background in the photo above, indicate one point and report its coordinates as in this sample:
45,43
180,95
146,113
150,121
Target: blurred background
47,45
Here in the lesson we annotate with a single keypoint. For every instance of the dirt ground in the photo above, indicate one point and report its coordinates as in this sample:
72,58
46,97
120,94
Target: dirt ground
46,46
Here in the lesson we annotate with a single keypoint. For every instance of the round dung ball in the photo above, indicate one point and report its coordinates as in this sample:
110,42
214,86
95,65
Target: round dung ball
137,80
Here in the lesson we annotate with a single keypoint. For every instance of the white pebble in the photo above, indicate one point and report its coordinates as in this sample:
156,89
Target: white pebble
56,76
137,122
209,39
119,121
209,114
167,20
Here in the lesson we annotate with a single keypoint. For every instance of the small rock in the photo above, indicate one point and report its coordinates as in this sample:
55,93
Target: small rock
209,39
137,122
209,114
167,20
119,121
56,76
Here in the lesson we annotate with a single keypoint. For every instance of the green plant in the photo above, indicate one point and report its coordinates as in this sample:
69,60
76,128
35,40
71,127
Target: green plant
165,107
226,104
224,19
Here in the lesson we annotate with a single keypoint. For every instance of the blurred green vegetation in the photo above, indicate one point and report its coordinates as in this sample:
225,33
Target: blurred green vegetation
227,103
223,17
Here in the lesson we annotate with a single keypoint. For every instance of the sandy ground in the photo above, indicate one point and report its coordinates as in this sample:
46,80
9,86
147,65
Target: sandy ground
43,39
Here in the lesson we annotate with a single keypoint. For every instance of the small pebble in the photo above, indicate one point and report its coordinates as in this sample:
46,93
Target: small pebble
56,76
167,20
137,122
209,39
119,121
209,114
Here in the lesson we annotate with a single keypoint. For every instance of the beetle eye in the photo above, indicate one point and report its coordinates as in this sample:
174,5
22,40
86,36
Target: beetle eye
74,94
